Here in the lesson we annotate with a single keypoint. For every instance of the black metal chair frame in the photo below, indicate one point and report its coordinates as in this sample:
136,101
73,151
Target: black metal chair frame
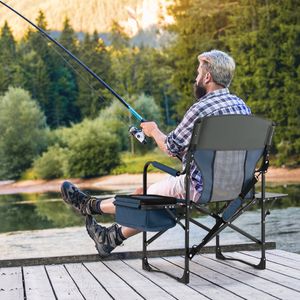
184,207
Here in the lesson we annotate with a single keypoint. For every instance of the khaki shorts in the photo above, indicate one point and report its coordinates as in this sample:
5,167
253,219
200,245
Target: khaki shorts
173,187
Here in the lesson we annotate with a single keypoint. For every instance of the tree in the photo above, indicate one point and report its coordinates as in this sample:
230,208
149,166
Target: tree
8,58
266,45
33,77
68,37
93,96
118,37
23,132
199,26
36,64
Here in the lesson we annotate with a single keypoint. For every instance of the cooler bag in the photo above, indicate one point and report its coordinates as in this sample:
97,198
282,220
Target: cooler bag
144,212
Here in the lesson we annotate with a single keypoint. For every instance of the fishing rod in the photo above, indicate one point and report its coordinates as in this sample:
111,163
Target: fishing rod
137,133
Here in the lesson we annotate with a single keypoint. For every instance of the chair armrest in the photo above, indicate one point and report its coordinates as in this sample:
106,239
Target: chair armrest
165,168
159,166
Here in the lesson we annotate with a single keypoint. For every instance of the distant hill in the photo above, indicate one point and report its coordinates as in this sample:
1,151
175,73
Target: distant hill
86,16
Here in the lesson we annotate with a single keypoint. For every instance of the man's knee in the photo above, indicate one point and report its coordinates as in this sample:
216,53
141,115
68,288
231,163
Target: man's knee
139,191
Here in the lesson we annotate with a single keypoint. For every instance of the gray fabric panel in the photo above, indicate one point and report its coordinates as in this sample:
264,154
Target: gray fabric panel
204,161
228,175
252,158
232,132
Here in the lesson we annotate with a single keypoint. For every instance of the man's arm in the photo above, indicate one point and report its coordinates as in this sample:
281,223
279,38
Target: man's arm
151,130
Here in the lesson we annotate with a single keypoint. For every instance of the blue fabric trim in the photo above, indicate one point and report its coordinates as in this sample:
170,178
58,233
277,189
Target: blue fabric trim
252,158
231,209
204,160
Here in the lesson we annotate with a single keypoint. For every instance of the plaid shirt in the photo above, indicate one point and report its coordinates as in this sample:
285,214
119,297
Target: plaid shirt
219,102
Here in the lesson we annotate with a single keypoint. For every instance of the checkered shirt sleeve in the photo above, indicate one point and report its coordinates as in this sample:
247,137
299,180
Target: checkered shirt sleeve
219,102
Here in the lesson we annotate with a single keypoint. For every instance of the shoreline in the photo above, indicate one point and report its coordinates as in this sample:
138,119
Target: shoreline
124,182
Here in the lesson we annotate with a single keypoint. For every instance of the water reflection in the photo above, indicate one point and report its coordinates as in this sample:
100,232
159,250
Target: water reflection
47,210
37,211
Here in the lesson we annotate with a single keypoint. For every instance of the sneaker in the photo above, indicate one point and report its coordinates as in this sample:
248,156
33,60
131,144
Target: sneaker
75,197
106,238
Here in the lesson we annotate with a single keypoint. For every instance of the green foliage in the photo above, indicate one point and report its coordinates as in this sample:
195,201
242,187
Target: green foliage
199,26
134,164
88,149
7,57
92,94
264,39
23,132
52,163
118,119
118,37
266,45
262,36
93,150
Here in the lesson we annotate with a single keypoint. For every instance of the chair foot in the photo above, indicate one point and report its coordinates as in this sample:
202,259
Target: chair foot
185,277
219,254
262,264
146,265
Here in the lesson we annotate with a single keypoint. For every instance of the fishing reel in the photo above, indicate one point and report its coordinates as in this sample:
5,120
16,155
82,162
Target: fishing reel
138,134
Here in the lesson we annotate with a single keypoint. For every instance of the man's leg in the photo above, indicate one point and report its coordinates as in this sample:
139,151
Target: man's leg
173,187
107,207
105,238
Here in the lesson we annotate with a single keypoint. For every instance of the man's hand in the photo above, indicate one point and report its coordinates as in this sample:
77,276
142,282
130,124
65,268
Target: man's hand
149,128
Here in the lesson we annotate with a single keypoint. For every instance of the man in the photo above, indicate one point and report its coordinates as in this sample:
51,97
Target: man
215,73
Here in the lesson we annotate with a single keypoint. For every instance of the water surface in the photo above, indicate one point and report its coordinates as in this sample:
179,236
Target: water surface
47,210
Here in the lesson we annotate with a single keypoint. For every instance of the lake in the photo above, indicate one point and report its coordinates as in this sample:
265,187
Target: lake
47,210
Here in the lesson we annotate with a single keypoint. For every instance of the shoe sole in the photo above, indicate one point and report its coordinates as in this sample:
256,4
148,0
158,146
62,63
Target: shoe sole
66,199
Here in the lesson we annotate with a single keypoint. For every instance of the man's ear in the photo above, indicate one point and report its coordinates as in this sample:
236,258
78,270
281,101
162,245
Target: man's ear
207,78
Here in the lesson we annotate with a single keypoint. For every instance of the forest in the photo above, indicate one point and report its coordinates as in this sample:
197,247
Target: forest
57,121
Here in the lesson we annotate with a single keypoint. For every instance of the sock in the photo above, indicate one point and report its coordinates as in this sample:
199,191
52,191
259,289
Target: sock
120,236
95,206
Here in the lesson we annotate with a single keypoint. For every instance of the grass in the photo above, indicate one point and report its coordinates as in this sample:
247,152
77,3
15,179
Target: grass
134,163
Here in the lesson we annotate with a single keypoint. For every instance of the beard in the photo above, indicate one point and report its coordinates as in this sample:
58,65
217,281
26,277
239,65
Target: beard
199,90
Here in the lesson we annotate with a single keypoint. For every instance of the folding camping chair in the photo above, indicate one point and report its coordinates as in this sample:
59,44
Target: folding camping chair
226,150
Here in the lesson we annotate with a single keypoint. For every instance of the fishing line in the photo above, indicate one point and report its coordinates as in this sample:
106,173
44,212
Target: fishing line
137,133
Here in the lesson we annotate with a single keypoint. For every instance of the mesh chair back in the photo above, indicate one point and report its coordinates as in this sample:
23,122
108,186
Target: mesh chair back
226,150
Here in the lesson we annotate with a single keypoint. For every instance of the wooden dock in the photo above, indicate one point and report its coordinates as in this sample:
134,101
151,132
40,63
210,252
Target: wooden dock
125,279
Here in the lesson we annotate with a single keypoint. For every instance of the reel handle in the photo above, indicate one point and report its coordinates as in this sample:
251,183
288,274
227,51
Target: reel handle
138,134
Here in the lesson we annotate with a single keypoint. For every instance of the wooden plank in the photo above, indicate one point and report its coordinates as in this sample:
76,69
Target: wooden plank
62,283
86,283
178,290
227,282
117,287
264,280
138,282
282,253
48,260
199,282
11,286
268,274
287,271
278,260
37,285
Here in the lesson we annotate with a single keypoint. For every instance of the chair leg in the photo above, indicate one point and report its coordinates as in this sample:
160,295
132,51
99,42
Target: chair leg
145,263
262,264
219,254
186,274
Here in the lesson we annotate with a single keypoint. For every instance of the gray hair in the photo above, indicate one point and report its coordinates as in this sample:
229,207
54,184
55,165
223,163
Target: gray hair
220,65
